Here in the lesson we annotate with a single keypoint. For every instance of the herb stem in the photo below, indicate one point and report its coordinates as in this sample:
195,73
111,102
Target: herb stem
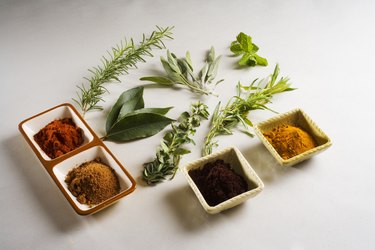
122,57
169,152
238,107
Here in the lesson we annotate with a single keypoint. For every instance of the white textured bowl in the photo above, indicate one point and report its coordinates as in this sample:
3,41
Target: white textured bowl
298,118
240,165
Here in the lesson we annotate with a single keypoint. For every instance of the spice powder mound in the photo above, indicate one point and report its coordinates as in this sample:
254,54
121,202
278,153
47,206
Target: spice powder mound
218,182
93,182
289,140
59,137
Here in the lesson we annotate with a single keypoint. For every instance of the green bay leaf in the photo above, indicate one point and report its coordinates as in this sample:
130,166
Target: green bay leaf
137,126
160,111
128,101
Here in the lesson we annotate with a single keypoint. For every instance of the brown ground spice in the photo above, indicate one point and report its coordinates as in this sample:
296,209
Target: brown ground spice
93,182
218,182
290,140
59,137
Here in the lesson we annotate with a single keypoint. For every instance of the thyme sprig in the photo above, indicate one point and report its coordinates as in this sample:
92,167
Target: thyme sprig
180,71
120,59
248,98
169,152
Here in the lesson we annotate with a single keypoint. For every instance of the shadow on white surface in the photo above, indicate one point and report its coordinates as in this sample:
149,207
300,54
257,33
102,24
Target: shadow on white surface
40,185
190,213
266,166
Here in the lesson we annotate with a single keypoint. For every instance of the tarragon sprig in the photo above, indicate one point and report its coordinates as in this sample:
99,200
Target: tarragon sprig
251,97
180,71
171,149
121,58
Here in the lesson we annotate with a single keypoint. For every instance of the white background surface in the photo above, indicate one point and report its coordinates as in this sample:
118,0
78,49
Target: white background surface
325,47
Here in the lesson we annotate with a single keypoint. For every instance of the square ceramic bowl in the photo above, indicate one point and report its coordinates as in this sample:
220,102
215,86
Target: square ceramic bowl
300,119
91,148
34,124
239,164
61,170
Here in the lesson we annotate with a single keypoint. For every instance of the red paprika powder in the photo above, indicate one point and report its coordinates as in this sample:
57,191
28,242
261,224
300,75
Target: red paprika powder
59,137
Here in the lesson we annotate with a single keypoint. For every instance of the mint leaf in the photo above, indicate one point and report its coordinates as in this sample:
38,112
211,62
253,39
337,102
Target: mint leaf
260,60
236,48
244,46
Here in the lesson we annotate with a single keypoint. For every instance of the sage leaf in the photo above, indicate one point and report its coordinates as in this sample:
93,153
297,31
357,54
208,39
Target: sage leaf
137,126
128,101
158,79
188,60
180,71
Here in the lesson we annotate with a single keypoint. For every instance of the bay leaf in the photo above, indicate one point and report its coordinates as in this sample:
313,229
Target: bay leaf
160,111
137,126
128,101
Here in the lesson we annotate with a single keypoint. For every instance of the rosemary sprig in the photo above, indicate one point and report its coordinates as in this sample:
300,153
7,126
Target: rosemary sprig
121,58
169,152
248,98
180,71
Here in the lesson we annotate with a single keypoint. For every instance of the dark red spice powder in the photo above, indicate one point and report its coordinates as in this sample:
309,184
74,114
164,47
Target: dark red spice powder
218,182
59,137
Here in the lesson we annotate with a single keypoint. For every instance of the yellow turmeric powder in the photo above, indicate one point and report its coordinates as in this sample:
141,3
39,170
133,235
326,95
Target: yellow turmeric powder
289,140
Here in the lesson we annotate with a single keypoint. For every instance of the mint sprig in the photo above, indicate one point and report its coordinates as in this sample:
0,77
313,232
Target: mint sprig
244,46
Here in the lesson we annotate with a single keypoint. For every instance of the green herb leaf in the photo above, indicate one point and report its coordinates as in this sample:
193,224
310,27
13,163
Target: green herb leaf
248,98
122,57
135,102
244,46
236,48
128,101
169,152
247,59
260,60
159,111
181,151
180,71
158,79
137,126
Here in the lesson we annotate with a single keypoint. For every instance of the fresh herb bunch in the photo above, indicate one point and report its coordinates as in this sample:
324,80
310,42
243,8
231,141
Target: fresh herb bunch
248,98
121,58
129,119
244,46
169,152
180,71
